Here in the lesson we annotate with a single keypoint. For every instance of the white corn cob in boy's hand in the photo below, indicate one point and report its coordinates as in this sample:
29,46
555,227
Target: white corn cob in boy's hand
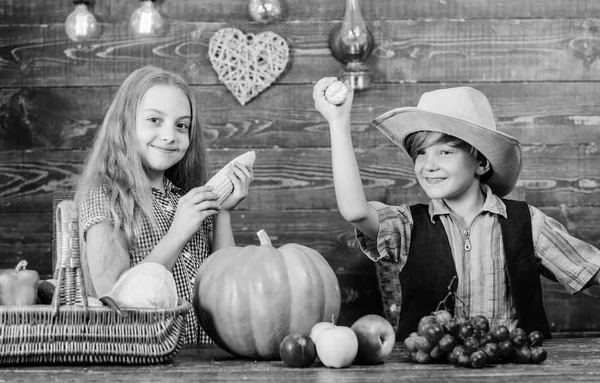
221,184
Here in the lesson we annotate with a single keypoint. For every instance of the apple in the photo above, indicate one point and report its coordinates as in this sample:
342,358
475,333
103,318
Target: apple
317,328
376,339
297,350
336,346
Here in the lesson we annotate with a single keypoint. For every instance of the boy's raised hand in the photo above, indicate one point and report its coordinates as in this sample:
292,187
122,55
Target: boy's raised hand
332,113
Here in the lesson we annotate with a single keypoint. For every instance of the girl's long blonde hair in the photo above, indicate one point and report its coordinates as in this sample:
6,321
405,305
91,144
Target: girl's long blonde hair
115,162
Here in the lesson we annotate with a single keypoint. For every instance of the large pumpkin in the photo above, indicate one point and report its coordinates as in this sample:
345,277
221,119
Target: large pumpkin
249,298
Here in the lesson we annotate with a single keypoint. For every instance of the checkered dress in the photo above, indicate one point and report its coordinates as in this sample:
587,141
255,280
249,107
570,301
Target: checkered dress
93,210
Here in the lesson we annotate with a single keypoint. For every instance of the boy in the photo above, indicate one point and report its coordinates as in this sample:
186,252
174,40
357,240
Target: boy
496,248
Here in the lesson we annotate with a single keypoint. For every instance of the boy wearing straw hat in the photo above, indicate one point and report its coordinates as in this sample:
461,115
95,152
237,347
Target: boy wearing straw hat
496,248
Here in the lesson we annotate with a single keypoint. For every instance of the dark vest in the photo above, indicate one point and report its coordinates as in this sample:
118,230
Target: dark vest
430,268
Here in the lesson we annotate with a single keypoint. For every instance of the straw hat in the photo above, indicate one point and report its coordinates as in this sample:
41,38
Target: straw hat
465,113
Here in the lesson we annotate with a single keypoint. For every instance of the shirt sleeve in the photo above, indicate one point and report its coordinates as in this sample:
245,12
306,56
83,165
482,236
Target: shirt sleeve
393,237
571,261
93,210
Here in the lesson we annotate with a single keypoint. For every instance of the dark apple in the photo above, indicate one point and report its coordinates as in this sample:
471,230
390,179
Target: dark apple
297,350
376,338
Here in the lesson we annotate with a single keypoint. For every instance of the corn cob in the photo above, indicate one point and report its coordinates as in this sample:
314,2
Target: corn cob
221,184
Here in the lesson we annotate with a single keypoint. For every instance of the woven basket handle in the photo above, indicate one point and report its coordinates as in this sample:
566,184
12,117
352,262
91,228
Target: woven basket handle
70,288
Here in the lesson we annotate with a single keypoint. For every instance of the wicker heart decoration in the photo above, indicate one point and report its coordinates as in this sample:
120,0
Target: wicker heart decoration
246,63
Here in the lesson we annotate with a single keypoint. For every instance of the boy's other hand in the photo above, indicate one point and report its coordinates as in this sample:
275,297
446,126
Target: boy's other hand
332,113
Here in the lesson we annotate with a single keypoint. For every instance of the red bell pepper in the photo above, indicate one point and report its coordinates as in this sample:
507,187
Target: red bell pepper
18,287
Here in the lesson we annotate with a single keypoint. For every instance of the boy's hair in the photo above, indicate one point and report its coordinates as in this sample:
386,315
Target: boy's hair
115,161
424,139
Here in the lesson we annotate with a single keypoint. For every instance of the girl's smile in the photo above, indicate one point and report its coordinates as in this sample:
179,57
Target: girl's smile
165,150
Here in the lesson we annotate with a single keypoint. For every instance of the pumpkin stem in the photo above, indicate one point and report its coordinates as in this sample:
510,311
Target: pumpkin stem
264,238
21,266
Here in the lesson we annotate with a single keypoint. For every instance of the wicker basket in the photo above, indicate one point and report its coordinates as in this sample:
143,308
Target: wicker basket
71,331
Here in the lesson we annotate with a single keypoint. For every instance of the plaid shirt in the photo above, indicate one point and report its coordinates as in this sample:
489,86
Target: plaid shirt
483,286
93,211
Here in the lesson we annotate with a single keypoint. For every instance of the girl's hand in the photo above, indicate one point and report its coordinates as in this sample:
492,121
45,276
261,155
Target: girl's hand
332,113
192,209
241,177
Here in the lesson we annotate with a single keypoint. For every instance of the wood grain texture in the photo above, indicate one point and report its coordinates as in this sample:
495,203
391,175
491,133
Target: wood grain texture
289,179
536,60
46,12
538,114
569,360
407,51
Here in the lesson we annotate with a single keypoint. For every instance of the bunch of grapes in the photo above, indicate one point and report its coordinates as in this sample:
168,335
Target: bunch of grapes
469,342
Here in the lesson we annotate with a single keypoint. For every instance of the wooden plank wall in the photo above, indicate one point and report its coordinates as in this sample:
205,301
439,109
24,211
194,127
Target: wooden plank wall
535,59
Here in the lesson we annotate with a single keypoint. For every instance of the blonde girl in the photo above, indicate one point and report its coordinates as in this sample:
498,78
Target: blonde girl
140,195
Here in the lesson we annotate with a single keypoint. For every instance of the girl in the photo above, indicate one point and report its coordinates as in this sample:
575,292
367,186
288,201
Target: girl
139,195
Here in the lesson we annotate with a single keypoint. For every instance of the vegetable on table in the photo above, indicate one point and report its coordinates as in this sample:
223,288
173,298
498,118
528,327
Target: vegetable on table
221,184
249,298
18,287
145,285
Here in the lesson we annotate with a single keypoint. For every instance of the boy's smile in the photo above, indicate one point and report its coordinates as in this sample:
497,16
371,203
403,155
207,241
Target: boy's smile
434,180
446,172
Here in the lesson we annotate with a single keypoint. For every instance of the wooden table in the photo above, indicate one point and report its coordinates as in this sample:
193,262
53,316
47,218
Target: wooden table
569,360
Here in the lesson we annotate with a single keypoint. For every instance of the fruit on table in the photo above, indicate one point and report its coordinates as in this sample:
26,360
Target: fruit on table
500,333
18,286
297,350
317,328
376,338
443,317
535,339
481,322
538,354
249,298
337,346
145,285
470,342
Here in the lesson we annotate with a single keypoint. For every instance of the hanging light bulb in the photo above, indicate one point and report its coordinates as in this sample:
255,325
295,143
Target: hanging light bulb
266,11
146,21
351,43
81,25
